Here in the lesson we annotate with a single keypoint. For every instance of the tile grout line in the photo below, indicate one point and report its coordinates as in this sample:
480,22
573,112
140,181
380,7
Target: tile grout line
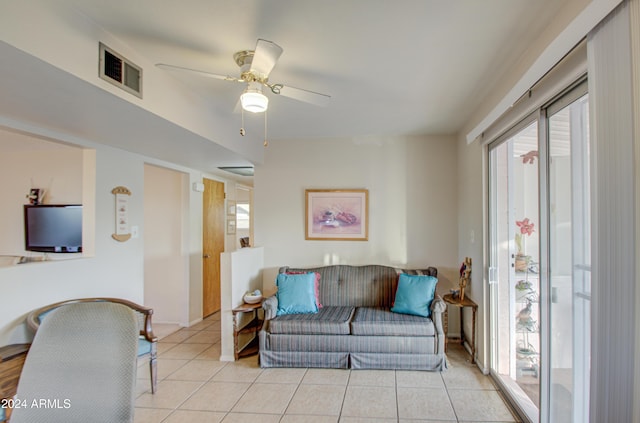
294,393
344,397
202,383
196,390
446,389
395,380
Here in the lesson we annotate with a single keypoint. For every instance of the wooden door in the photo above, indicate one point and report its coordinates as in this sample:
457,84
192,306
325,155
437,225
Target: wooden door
212,245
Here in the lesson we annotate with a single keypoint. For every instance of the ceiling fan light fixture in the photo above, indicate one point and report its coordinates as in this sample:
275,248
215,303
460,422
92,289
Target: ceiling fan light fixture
253,100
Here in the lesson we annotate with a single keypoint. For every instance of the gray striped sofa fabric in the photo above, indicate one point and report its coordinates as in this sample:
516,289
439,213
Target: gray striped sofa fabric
341,343
437,362
328,321
327,360
359,286
381,321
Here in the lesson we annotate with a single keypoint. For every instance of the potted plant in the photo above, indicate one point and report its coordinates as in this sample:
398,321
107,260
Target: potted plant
521,259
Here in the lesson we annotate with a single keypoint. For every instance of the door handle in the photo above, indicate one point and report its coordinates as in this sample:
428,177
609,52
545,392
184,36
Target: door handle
206,256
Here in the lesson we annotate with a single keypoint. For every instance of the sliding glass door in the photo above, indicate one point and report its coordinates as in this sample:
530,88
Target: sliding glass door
539,260
569,261
515,282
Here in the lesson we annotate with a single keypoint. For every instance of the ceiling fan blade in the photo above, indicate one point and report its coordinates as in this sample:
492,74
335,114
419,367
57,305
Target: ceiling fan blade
197,72
264,58
302,95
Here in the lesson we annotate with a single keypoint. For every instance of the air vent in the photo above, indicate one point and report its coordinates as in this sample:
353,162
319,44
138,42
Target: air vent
117,70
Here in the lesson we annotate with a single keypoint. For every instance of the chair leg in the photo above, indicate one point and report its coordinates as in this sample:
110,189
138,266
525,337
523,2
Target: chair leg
153,371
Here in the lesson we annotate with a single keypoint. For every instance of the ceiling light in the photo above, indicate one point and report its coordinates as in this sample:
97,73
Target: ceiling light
253,100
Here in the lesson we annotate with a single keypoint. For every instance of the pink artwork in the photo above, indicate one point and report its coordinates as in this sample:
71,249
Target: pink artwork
337,215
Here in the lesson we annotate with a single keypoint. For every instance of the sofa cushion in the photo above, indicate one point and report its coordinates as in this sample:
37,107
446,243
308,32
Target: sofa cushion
296,294
381,321
415,295
328,321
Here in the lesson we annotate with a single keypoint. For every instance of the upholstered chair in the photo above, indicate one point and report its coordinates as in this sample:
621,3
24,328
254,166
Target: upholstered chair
147,342
81,366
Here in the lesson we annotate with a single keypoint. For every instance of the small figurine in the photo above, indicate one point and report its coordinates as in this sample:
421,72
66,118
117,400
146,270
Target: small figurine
35,196
465,276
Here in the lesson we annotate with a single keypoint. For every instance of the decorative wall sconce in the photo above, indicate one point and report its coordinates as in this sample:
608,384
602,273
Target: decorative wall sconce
122,214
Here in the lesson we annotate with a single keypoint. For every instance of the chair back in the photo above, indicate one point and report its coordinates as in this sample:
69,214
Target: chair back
81,366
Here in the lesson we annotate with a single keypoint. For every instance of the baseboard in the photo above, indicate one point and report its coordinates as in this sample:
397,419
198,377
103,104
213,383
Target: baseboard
195,322
455,337
484,370
227,358
166,322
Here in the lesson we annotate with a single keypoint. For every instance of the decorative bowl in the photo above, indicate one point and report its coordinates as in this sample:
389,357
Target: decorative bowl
252,299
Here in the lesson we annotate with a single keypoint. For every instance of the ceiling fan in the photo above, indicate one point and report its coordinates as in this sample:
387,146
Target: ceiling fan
255,66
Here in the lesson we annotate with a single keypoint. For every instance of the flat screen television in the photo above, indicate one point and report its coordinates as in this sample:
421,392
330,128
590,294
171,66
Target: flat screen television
53,228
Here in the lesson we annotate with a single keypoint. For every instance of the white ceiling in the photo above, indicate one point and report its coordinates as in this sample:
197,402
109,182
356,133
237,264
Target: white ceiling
407,67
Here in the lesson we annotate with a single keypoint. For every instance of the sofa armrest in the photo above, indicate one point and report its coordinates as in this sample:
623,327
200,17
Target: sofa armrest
270,307
438,306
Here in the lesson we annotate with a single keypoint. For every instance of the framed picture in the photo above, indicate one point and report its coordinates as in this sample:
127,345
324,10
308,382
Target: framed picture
231,207
231,226
337,214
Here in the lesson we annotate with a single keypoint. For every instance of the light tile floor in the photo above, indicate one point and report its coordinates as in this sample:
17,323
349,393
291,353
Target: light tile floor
194,386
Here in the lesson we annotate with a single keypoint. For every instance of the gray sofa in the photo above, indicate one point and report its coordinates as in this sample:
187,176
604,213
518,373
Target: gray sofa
355,327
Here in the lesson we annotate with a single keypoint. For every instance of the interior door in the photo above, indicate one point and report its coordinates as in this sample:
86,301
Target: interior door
213,214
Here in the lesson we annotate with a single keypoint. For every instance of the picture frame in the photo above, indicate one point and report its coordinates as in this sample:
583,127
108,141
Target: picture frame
231,207
231,227
337,214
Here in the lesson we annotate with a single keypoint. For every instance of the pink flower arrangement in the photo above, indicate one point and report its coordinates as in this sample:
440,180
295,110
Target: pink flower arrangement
526,228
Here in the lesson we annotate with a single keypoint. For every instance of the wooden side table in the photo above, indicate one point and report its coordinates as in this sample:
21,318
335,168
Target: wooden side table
252,327
467,302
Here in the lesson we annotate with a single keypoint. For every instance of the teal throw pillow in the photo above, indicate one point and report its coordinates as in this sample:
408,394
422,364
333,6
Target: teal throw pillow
296,294
414,295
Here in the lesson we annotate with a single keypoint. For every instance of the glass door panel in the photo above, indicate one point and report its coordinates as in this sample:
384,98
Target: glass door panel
569,263
515,252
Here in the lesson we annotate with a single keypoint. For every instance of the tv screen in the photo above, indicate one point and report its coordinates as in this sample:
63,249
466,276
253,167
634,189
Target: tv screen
53,228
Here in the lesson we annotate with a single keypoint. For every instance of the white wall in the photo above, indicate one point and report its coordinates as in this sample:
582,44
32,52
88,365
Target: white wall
115,270
165,259
25,163
240,271
412,186
471,198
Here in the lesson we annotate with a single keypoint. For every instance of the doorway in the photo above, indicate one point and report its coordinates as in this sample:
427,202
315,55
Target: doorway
213,234
165,252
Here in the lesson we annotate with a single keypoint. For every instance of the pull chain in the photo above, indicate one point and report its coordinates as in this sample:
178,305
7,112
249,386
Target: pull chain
266,143
242,124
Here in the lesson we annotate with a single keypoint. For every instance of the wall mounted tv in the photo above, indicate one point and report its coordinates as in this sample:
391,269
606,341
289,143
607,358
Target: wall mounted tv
53,228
